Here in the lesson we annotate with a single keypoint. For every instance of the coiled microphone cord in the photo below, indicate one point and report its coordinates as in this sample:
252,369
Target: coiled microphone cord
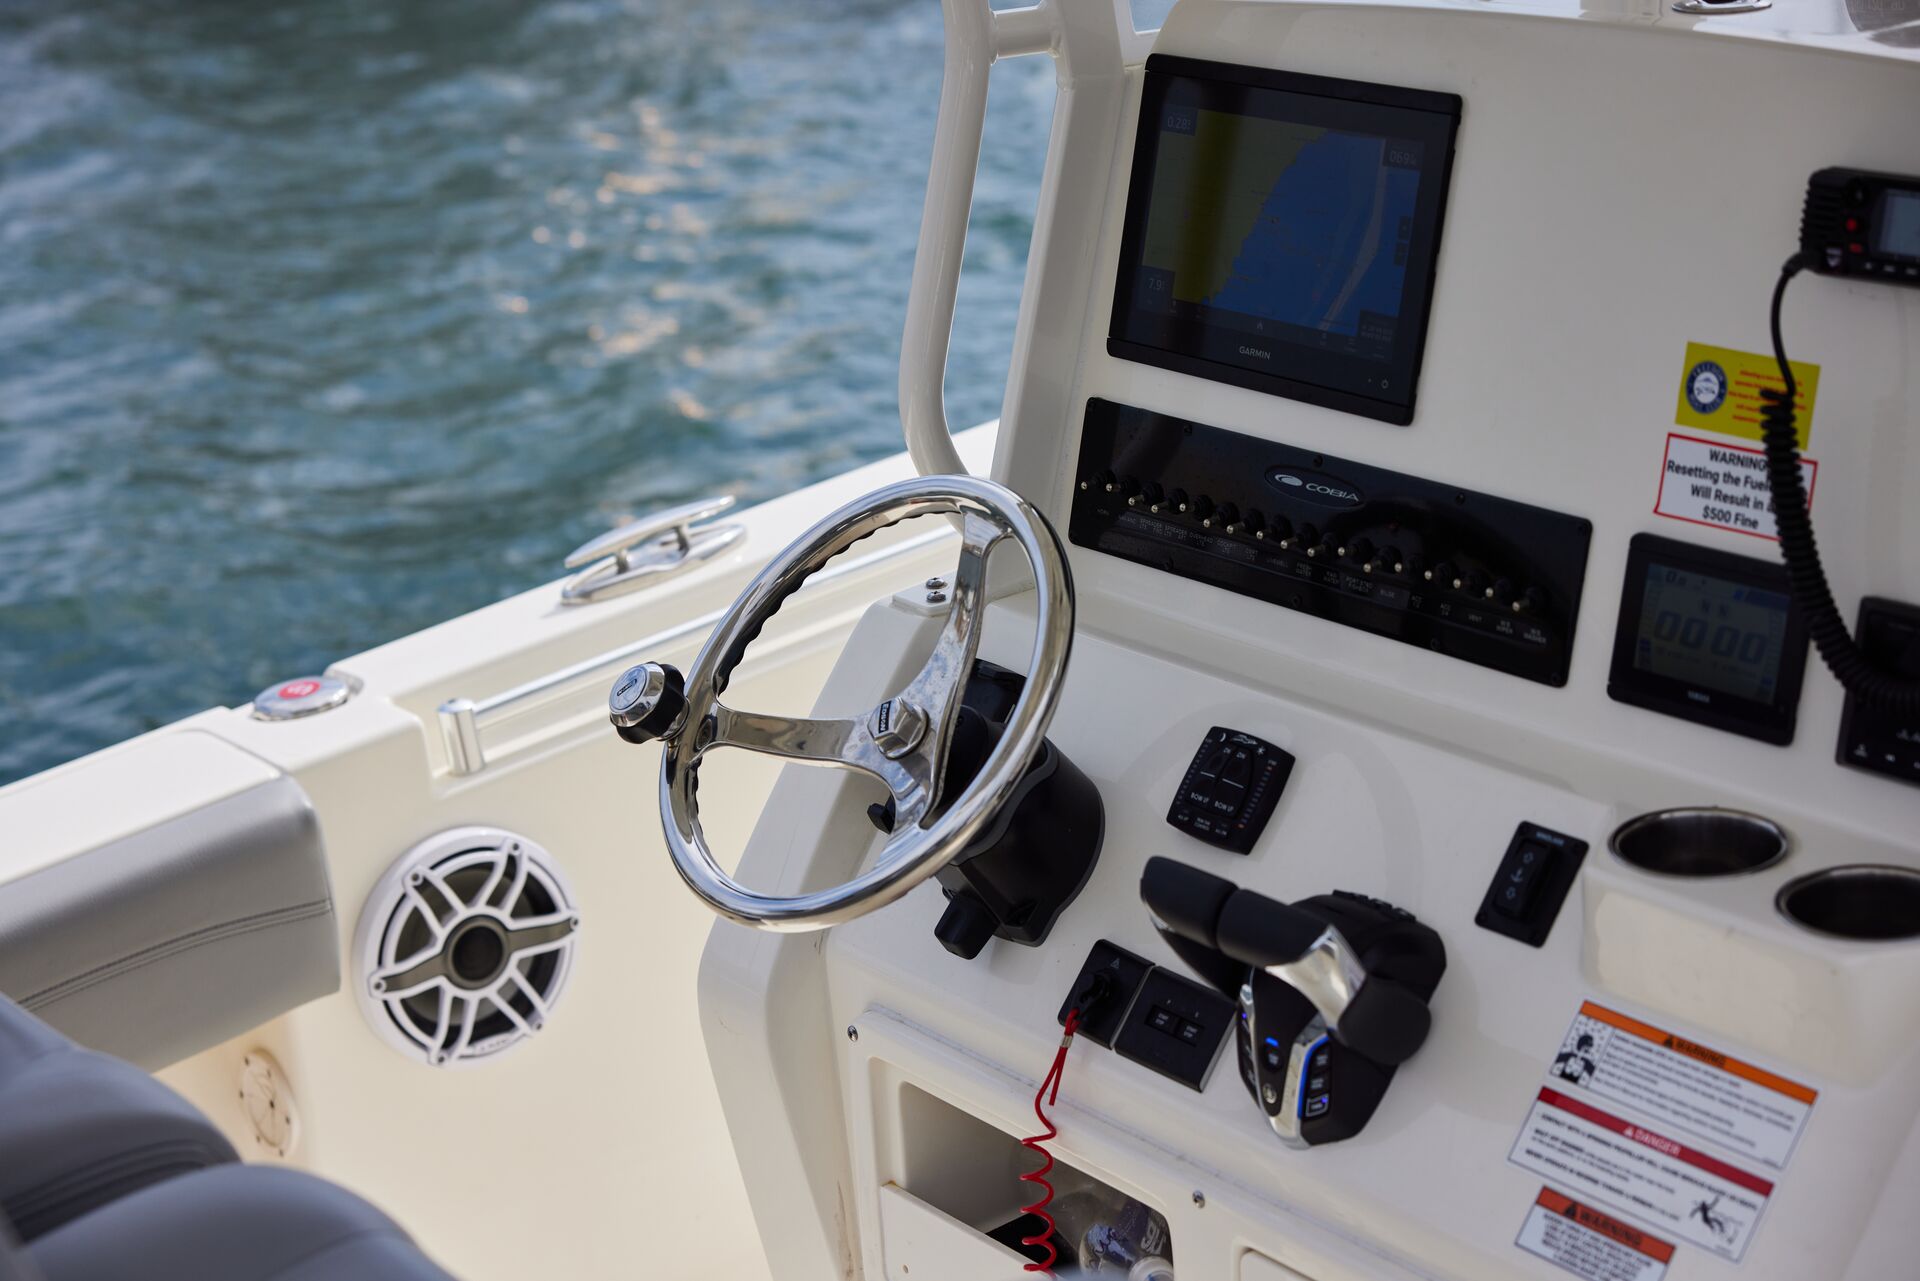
1850,666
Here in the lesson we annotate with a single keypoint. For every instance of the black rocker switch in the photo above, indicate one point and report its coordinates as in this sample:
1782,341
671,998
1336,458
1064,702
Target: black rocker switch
1531,883
1872,738
1176,1028
1229,791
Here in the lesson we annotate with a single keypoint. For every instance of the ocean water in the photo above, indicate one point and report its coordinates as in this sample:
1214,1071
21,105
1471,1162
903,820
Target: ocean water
323,321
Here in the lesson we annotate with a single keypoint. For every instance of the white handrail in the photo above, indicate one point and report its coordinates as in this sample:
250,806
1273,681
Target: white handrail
976,37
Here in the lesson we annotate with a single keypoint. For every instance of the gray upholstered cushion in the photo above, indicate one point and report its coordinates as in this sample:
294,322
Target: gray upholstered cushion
235,1223
78,1129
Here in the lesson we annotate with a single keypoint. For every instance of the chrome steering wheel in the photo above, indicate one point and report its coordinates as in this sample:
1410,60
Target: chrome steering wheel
903,741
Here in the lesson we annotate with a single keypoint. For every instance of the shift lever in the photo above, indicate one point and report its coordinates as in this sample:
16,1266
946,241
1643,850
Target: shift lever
1333,991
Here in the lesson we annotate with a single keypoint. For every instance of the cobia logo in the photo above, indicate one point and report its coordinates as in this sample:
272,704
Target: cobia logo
1316,487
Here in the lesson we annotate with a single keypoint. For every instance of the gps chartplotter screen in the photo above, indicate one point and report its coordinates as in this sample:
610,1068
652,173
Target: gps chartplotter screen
1281,232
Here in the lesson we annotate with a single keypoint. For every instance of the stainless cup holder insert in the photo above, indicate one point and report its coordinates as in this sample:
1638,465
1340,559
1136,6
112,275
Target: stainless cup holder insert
1866,901
1699,841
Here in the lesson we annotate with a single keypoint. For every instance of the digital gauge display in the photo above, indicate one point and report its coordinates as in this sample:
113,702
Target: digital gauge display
1281,232
1713,632
1899,233
1709,637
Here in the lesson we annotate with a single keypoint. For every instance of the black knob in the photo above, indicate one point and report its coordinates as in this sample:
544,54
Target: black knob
1413,564
1177,499
1325,549
1254,524
1360,549
1501,592
1531,601
1100,480
1200,508
966,925
1442,573
649,701
1473,583
1223,516
1151,496
1281,531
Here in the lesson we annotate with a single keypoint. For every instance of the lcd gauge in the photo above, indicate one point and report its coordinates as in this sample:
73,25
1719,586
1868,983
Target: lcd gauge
1281,232
1709,637
1899,234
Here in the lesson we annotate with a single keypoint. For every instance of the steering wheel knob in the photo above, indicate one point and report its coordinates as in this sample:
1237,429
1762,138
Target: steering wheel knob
649,701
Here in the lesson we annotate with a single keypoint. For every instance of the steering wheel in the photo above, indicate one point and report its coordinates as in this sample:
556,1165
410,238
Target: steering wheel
903,741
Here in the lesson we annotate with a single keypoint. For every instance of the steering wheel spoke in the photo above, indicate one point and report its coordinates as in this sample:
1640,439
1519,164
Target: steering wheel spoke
799,738
937,689
847,744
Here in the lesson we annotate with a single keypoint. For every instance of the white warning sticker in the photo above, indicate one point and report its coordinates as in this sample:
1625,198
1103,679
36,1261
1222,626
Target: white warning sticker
1627,1167
1685,1085
1591,1244
1713,483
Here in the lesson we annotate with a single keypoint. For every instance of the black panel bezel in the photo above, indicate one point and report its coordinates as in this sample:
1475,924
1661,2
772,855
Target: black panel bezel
1317,378
1555,884
1532,545
1772,722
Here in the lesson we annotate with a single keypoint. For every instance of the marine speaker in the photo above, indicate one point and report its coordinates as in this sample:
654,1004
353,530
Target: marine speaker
464,948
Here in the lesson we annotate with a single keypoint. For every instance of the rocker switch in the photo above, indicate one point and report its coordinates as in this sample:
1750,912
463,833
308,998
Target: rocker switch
1530,884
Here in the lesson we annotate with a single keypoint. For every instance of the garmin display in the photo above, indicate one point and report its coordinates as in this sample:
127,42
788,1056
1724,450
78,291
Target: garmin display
1281,232
1709,637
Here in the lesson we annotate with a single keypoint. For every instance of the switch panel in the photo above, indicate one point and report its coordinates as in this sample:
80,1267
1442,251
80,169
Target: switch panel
1532,882
1470,575
1176,1028
1872,739
1230,789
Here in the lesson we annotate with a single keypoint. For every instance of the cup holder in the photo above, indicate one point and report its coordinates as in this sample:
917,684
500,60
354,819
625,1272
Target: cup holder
1699,841
1860,901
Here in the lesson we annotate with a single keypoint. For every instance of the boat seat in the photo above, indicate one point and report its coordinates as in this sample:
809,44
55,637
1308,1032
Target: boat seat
234,1223
107,1174
79,1129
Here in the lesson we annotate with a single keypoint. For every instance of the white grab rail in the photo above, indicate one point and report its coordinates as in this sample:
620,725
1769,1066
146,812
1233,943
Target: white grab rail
976,37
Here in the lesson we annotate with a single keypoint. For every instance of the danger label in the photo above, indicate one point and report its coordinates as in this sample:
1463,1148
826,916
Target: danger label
1712,483
1684,1085
1637,1171
1589,1243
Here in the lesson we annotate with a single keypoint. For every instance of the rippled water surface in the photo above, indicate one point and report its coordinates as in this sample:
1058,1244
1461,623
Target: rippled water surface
321,322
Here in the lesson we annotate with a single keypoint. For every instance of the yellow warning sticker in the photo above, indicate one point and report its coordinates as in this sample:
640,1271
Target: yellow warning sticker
1720,391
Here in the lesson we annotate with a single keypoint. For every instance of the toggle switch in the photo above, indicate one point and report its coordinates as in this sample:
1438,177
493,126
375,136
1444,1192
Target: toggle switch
1531,883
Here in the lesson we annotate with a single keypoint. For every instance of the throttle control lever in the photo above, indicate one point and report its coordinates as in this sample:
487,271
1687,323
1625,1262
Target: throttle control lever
1333,991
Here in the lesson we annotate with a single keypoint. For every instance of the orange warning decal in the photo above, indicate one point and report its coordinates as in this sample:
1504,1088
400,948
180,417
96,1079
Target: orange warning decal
1605,1224
1713,1058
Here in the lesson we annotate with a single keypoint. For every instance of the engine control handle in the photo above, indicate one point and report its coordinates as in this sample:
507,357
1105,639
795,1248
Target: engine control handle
1264,932
1185,899
1377,1016
1386,1021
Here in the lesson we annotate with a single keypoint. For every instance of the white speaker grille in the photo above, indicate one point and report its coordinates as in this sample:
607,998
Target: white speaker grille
464,947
